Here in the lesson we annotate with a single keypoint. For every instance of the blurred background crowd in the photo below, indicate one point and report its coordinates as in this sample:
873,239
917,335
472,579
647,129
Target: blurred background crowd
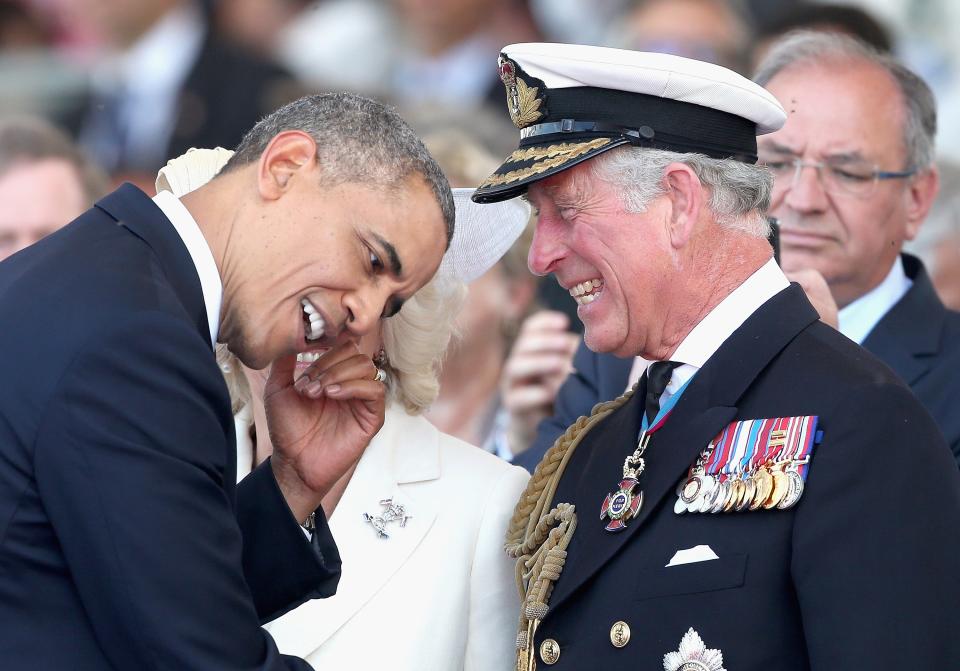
131,83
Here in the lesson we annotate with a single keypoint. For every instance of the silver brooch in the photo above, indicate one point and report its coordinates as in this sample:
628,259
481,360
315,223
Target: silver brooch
393,512
693,656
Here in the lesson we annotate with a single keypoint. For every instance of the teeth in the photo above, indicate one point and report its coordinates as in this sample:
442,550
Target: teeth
308,357
314,321
587,291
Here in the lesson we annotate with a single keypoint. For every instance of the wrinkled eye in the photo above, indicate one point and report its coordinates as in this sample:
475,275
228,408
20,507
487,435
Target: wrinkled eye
779,167
567,213
851,174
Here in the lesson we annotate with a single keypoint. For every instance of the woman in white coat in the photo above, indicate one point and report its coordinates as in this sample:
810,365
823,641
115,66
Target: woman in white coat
420,521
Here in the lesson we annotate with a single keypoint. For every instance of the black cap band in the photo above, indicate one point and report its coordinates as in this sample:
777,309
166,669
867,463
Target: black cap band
644,120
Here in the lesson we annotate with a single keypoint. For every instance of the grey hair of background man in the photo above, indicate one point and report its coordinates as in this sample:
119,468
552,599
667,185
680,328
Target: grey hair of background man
359,140
25,140
820,48
739,192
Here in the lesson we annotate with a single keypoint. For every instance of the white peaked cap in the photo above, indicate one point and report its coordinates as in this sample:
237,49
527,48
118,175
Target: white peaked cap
664,75
573,102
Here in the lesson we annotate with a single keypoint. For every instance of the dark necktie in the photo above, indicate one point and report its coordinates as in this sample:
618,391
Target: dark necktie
658,377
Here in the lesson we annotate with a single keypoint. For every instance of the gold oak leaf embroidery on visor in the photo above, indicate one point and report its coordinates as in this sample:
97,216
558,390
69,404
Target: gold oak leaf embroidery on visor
546,157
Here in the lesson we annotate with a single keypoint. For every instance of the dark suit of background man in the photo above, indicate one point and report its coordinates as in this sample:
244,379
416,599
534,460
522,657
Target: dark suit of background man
846,225
652,214
124,542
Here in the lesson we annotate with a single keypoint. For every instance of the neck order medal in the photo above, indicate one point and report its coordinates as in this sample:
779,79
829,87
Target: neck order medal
623,504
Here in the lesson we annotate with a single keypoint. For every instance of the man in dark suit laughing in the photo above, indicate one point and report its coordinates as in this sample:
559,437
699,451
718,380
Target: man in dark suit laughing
124,541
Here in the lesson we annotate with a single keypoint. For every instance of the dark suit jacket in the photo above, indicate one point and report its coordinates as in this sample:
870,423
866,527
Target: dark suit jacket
860,574
918,338
124,542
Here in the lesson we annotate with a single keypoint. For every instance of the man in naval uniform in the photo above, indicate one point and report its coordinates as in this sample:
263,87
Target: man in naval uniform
769,495
854,178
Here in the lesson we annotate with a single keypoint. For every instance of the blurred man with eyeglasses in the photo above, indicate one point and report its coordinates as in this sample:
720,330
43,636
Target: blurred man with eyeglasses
854,178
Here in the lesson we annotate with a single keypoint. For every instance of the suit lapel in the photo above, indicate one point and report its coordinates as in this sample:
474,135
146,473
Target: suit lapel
405,445
898,339
614,374
707,405
135,211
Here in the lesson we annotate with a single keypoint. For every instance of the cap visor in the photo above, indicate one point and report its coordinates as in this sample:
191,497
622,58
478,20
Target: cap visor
529,164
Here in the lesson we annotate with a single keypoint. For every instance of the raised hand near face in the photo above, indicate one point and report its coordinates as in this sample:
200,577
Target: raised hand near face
539,362
321,422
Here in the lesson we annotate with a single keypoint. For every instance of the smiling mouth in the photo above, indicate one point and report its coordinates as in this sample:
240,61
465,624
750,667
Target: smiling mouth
586,292
313,324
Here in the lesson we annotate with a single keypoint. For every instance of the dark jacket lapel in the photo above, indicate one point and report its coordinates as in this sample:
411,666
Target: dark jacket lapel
910,335
135,211
613,375
707,405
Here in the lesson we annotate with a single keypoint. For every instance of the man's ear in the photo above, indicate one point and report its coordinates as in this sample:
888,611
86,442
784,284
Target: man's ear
288,153
685,193
920,194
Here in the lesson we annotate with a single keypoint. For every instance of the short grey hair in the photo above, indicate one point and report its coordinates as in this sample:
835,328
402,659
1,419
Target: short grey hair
358,139
415,342
817,48
739,192
30,140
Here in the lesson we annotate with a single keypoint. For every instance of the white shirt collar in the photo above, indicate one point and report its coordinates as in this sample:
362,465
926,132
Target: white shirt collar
200,253
859,318
719,324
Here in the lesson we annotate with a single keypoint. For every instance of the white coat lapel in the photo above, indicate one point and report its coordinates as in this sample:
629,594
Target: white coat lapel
408,446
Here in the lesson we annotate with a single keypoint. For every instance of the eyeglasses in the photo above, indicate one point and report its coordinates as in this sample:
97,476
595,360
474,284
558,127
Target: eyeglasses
842,176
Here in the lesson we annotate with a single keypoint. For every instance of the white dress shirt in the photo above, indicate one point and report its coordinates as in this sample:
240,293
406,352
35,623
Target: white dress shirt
719,324
188,230
858,319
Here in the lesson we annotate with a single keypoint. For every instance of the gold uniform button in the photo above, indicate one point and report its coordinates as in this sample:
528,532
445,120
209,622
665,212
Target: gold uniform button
549,651
620,634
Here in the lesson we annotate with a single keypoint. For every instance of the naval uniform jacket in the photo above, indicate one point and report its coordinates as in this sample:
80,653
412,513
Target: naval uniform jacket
125,542
919,339
860,574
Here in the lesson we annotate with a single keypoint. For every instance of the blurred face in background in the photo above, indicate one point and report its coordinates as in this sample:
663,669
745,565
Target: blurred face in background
707,30
119,22
835,219
496,303
35,200
436,24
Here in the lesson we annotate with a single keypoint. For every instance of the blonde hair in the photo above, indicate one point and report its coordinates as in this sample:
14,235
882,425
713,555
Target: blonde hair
415,341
